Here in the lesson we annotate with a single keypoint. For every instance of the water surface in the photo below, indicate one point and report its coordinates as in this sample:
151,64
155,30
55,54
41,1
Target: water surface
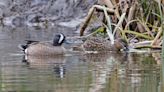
102,72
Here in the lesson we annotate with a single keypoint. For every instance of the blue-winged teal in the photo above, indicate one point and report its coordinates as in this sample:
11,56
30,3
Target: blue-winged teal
101,44
35,48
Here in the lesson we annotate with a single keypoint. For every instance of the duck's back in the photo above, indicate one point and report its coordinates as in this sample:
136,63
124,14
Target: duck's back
44,49
97,44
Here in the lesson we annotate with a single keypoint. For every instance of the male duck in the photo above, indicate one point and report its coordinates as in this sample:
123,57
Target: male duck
36,48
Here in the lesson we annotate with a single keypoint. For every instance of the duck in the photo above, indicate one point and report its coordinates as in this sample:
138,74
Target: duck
44,48
100,44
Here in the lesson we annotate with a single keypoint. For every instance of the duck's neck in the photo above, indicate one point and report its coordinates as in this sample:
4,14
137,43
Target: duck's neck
56,44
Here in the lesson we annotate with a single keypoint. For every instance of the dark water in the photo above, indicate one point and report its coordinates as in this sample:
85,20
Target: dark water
104,72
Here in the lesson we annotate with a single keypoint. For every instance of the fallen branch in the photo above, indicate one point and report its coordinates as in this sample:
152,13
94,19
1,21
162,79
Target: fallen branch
90,13
148,46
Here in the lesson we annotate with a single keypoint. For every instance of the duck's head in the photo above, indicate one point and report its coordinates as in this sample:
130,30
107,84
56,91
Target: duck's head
58,39
121,44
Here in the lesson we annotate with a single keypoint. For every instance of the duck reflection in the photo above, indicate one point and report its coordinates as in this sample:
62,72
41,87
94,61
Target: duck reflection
103,66
46,63
103,57
59,69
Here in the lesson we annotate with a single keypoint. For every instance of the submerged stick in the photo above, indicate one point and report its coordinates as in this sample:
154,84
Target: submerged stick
145,44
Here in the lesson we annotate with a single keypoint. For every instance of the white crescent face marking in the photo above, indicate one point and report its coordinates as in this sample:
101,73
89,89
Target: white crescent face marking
26,51
61,38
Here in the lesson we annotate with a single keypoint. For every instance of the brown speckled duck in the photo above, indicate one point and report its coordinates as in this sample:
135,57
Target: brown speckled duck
101,44
35,48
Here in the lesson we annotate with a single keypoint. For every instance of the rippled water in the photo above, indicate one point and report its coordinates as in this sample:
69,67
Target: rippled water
103,72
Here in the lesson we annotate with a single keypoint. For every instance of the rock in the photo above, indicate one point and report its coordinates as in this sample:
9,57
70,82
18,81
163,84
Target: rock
71,24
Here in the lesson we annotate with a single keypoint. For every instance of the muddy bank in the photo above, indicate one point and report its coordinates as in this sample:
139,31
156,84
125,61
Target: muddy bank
67,13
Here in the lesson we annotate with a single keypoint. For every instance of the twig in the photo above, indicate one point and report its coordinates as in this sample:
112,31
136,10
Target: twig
131,12
119,23
109,26
108,3
157,37
148,46
138,34
90,13
146,28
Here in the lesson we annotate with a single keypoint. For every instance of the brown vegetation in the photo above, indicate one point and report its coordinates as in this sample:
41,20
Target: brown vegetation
139,22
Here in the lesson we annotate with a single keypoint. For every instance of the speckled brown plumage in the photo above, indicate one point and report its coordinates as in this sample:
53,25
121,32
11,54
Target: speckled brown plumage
101,44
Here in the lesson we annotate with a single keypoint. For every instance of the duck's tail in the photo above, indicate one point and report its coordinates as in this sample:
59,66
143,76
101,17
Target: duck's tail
22,47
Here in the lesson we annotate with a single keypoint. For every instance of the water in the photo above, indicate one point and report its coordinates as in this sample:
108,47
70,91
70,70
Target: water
103,72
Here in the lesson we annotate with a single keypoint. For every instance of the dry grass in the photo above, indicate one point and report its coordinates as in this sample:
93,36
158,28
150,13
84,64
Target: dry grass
139,20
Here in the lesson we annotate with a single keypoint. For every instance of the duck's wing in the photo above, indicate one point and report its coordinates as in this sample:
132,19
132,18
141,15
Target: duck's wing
31,41
28,42
22,46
